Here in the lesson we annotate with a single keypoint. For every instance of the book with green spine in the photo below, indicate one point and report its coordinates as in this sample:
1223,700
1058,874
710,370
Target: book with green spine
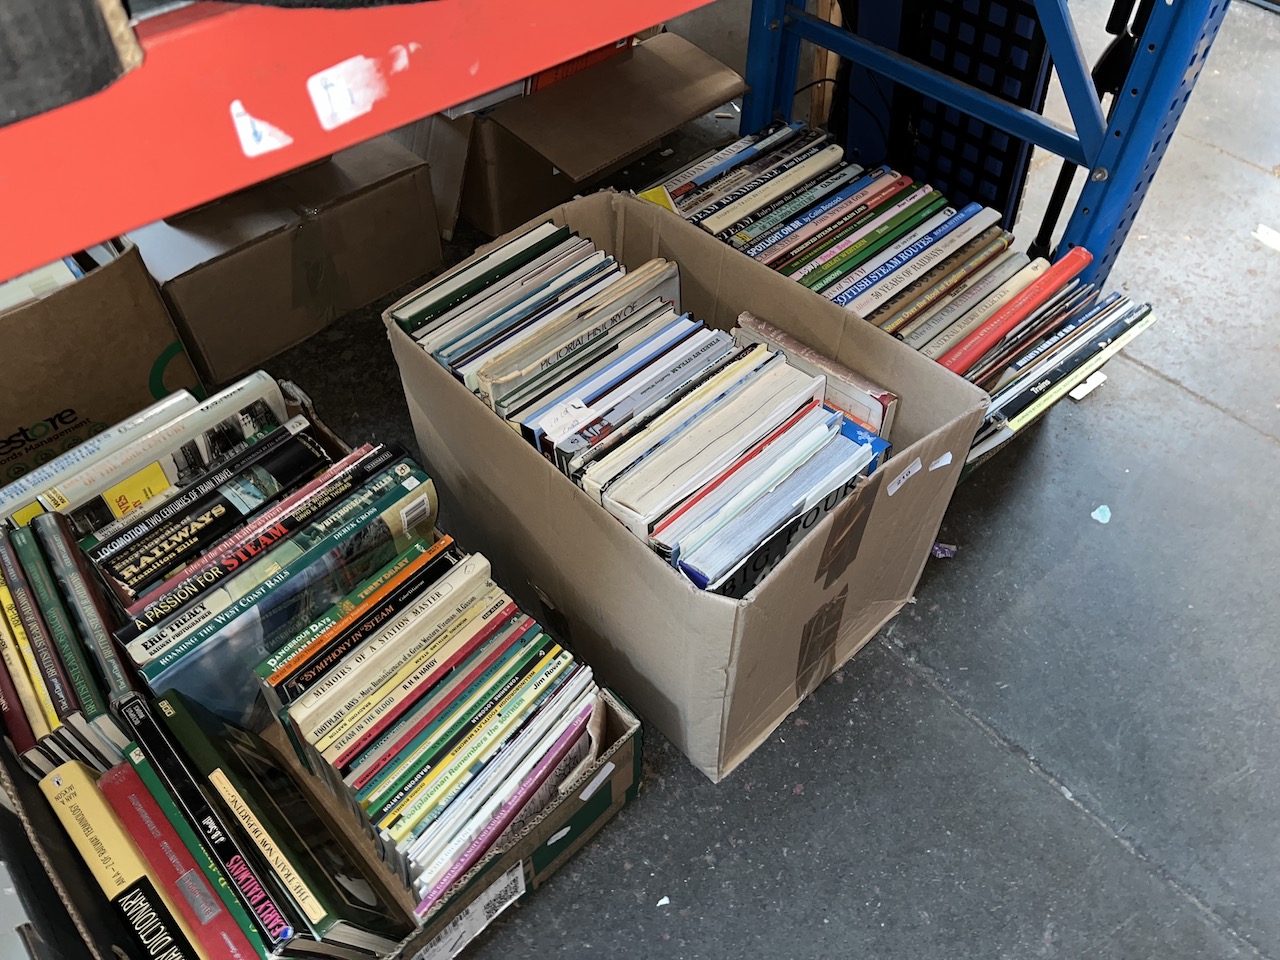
142,764
84,602
342,901
70,648
215,663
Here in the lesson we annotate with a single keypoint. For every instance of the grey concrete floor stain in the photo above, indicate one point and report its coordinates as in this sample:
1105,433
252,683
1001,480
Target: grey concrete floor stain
1067,747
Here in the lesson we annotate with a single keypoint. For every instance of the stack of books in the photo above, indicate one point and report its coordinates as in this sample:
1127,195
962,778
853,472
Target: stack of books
443,714
176,588
942,279
720,449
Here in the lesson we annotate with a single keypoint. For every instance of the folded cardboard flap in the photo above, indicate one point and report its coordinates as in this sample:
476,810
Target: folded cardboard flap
714,675
257,272
589,121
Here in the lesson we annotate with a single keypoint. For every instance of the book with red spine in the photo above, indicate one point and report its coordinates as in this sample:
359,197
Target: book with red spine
18,729
562,71
172,865
973,347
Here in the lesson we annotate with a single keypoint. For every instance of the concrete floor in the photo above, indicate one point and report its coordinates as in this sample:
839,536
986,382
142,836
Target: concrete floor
1070,745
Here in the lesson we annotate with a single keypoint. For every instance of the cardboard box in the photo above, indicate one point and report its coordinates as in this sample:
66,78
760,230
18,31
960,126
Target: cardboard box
83,358
583,805
252,274
715,675
532,152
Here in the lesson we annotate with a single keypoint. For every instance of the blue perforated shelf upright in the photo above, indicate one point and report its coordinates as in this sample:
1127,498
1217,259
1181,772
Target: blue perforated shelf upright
1120,150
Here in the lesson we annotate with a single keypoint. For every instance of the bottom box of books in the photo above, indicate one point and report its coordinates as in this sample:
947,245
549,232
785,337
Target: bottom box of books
277,713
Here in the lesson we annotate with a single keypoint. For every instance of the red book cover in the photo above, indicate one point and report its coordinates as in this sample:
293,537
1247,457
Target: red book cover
540,81
14,720
734,467
442,668
521,625
973,347
172,866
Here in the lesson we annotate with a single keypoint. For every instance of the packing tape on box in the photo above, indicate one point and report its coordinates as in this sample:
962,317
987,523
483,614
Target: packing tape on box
818,644
849,524
317,285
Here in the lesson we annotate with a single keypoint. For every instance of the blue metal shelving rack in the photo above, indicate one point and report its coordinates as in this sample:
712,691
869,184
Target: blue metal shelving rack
1120,152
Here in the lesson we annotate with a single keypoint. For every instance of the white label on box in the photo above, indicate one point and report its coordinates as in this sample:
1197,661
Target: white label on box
256,136
598,779
904,476
558,836
346,90
475,916
941,462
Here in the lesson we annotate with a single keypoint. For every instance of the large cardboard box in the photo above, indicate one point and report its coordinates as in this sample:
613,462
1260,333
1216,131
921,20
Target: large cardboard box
715,675
252,274
81,359
532,152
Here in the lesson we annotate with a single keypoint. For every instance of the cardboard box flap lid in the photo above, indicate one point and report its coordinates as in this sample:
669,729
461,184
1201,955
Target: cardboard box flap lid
172,247
345,174
597,117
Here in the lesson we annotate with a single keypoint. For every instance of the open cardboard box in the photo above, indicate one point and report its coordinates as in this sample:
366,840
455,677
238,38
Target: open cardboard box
599,789
715,675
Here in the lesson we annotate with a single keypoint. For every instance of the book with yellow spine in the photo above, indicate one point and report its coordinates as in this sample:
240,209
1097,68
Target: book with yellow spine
116,864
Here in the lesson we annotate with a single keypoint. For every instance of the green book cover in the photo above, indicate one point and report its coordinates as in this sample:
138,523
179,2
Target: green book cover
341,900
139,761
882,236
410,318
60,629
54,534
215,663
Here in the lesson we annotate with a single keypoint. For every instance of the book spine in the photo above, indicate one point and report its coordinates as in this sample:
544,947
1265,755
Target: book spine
138,525
965,354
29,698
330,652
895,317
755,175
775,186
269,912
754,225
248,531
922,329
848,228
382,801
980,312
172,866
551,767
691,173
233,796
238,553
372,597
24,609
199,854
409,685
86,606
907,229
419,809
116,865
18,498
347,554
17,727
253,572
416,727
919,257
165,550
68,646
690,196
897,200
106,471
408,667
853,199
52,730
